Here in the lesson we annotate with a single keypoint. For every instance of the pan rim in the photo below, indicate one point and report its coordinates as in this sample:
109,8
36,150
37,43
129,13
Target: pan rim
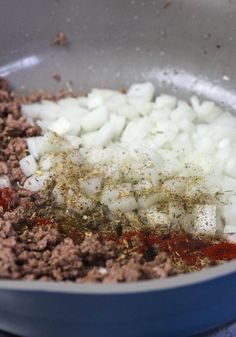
165,284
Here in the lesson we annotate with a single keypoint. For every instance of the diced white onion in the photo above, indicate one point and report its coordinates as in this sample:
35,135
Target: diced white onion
36,182
35,145
79,203
142,91
92,185
154,217
4,181
61,126
126,204
145,202
205,219
141,152
165,102
58,195
95,119
28,165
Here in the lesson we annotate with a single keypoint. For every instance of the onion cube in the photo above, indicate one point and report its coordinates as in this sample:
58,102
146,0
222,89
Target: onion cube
204,219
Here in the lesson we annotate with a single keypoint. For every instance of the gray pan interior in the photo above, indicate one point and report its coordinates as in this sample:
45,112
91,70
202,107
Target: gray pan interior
187,47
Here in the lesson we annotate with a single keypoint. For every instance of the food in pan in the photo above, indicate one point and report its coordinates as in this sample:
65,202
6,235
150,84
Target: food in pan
114,186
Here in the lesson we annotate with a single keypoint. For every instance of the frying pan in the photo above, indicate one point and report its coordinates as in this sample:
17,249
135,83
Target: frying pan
187,46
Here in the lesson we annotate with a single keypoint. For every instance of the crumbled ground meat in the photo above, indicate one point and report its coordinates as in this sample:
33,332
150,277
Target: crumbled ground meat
167,3
57,77
59,40
3,168
3,84
38,96
96,253
42,251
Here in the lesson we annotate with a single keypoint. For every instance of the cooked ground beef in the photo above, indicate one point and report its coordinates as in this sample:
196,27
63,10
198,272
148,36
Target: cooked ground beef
59,40
57,77
41,251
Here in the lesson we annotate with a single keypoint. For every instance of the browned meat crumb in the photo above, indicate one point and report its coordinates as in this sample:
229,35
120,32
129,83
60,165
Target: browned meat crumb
38,96
3,84
59,40
93,250
56,77
167,3
3,168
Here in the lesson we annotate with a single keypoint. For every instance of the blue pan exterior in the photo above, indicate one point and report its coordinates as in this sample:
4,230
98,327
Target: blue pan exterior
176,312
